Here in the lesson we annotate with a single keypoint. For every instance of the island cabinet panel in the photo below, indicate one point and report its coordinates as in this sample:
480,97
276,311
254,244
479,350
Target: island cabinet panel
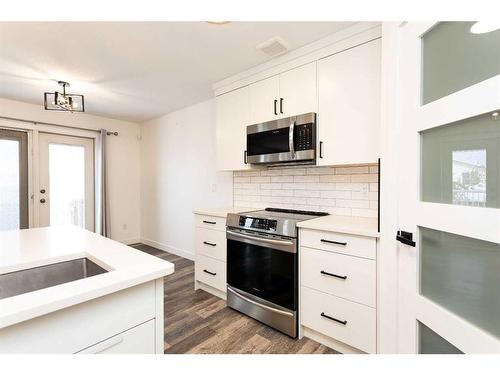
78,327
137,340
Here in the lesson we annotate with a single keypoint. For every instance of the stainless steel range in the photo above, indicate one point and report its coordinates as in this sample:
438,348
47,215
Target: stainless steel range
262,265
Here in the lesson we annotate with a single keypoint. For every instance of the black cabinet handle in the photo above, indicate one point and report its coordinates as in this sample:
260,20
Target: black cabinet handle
210,273
321,149
209,243
245,157
334,242
209,222
275,110
333,275
281,105
344,322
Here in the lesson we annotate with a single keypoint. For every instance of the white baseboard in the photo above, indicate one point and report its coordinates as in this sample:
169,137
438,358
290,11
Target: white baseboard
168,249
330,342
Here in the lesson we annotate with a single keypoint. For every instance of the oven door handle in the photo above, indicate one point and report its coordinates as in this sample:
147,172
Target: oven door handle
259,304
291,140
262,239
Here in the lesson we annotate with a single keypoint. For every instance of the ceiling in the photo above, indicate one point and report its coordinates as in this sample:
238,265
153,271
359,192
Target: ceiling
136,71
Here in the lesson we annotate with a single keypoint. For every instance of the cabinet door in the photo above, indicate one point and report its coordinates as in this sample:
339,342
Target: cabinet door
298,91
264,100
349,105
232,118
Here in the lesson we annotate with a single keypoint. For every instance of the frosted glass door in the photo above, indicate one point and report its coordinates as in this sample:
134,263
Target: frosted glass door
13,180
449,189
66,191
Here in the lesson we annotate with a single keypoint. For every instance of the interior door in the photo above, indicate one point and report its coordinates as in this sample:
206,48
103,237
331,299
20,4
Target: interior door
298,91
264,100
449,188
13,180
66,181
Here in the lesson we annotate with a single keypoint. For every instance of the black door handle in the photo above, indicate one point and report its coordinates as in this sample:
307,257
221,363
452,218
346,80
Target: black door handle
405,237
334,242
344,322
281,105
321,149
210,273
275,110
333,275
245,157
209,243
209,222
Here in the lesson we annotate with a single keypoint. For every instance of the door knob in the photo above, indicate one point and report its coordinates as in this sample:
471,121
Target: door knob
42,191
42,200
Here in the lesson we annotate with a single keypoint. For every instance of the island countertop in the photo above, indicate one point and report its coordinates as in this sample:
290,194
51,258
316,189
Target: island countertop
29,248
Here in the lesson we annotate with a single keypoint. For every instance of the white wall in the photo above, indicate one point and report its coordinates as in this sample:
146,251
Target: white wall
123,160
179,175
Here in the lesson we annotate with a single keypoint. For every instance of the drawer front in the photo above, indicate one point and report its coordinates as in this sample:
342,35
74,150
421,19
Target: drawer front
344,276
359,330
137,340
360,246
211,222
77,327
211,243
211,272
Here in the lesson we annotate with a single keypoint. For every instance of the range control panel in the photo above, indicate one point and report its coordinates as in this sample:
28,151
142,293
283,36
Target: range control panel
258,223
304,137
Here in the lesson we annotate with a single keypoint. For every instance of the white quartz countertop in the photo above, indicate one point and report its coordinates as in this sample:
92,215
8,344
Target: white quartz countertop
223,211
28,248
361,226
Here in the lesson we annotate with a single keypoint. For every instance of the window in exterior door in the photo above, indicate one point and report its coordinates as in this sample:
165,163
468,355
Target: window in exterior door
453,59
460,163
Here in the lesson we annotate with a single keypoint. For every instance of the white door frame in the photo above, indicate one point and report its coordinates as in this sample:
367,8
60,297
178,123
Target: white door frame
44,139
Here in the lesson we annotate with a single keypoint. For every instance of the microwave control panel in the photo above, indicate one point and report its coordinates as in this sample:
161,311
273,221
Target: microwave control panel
258,223
303,137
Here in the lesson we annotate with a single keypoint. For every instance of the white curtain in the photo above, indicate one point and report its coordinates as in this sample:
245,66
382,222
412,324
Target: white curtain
103,226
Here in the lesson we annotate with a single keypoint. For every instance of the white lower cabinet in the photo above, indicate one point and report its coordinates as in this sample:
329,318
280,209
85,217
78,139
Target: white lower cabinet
210,259
338,290
137,340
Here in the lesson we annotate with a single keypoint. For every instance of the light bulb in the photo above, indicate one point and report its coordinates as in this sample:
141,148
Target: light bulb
482,27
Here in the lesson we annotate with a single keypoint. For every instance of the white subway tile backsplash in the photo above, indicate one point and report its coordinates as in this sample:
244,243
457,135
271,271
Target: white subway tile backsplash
337,190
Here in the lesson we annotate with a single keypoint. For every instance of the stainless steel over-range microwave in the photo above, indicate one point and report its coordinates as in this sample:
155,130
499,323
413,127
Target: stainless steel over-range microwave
289,140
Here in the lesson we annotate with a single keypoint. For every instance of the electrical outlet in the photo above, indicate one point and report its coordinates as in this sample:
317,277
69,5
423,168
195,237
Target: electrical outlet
214,188
124,226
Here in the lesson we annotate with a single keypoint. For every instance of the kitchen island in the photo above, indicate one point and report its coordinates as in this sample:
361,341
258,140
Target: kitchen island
115,305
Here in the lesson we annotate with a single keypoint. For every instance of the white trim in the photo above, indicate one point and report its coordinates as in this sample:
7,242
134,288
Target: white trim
344,39
130,241
330,342
168,249
209,289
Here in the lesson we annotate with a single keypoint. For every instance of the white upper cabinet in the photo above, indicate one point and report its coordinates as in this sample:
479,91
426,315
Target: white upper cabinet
291,93
264,100
298,91
232,117
349,105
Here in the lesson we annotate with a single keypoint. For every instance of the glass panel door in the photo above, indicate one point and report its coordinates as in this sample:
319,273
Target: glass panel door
448,189
66,183
13,180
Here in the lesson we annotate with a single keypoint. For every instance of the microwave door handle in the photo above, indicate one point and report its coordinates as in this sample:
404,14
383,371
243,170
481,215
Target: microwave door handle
291,140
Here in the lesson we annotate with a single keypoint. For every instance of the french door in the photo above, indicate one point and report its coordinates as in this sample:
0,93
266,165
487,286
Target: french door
66,181
13,180
448,125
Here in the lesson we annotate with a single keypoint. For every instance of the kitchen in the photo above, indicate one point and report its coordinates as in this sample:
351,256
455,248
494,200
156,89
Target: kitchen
331,189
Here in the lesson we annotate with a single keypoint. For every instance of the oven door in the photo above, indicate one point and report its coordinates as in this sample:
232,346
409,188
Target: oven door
263,266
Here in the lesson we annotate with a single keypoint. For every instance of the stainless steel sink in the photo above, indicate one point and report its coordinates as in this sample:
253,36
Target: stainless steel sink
19,282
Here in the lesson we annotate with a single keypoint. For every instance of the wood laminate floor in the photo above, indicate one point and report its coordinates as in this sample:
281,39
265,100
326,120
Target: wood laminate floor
197,322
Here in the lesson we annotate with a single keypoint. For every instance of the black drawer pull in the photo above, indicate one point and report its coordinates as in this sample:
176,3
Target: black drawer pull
334,242
209,243
209,222
210,273
333,275
344,322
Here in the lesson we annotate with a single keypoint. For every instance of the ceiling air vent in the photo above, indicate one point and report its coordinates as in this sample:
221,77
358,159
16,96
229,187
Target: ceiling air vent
273,47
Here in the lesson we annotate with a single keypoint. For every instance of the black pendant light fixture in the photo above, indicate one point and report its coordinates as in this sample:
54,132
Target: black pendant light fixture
57,101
